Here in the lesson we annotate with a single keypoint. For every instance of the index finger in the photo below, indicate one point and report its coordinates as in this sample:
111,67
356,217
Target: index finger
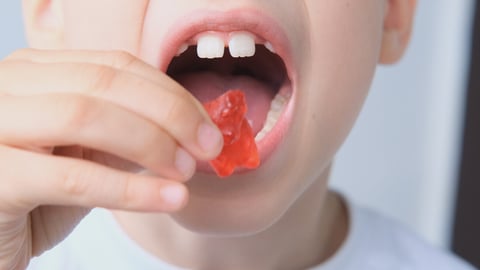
117,59
171,107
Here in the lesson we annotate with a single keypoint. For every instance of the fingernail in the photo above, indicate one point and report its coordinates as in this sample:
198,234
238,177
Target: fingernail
173,195
209,138
185,163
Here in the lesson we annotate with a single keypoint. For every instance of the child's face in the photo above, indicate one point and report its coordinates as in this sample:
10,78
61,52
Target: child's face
330,50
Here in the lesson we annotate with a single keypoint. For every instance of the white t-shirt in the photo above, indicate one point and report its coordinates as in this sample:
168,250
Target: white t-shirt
373,243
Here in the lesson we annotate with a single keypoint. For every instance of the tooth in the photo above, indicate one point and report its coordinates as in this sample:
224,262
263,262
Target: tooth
210,46
269,47
276,109
242,45
182,49
277,103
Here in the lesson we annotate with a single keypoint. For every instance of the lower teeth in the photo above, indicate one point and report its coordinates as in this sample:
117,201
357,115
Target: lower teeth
276,109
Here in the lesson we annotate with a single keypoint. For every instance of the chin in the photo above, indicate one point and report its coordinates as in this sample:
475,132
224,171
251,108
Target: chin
251,202
224,221
229,208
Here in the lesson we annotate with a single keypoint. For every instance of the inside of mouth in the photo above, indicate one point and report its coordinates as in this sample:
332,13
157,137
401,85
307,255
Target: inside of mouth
261,77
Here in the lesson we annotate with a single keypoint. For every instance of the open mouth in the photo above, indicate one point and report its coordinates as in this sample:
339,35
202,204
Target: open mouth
214,63
211,52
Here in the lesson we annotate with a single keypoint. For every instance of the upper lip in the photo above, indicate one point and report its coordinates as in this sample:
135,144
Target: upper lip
249,20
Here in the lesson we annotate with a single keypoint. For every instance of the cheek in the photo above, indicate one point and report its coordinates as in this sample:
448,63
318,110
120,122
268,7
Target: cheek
104,24
344,43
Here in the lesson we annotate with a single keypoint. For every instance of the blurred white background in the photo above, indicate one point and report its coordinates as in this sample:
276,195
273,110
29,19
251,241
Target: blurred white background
401,157
11,27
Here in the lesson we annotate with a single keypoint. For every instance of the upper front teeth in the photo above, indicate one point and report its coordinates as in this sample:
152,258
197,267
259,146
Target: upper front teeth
210,46
242,45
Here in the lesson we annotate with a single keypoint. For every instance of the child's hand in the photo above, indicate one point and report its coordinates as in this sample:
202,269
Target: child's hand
74,127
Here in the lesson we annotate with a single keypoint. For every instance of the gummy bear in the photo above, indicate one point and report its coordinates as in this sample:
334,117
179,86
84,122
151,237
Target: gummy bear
239,150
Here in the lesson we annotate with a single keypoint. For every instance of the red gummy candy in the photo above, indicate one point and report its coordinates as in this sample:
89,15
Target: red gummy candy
239,150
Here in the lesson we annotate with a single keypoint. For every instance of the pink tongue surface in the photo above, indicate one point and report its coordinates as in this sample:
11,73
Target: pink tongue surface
206,86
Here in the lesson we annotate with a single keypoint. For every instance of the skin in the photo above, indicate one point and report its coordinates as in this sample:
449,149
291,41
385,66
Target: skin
94,86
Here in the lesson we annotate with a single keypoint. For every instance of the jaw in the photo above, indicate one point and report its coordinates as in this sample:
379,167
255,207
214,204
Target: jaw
267,240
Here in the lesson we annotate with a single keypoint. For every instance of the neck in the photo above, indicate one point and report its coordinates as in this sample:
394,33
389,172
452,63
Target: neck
320,226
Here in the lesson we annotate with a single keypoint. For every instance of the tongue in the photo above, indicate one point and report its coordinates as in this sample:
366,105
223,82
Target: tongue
207,86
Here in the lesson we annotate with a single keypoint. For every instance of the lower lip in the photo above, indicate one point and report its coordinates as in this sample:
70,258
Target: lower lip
266,146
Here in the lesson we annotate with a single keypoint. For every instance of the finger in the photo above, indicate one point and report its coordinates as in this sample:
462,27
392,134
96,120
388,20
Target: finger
176,110
119,60
31,179
69,119
116,59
